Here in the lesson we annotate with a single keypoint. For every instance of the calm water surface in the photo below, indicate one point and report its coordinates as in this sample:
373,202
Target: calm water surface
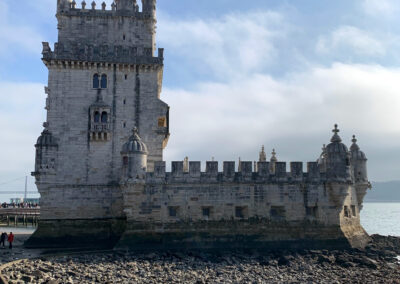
376,218
381,218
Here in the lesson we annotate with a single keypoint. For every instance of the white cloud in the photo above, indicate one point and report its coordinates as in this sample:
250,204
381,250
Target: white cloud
380,7
294,114
353,40
249,40
20,124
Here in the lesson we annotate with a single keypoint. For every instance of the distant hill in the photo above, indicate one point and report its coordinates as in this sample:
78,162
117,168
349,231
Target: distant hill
384,192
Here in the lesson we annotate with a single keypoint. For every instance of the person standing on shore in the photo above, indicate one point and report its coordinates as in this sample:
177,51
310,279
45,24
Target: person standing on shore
3,239
10,239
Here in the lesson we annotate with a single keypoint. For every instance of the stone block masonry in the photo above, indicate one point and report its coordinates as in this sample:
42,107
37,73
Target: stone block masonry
103,186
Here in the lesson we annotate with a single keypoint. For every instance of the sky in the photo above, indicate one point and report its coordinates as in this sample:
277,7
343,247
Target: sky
237,75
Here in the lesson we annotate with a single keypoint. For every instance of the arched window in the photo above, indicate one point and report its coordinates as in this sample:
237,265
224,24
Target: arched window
95,81
96,116
104,117
104,81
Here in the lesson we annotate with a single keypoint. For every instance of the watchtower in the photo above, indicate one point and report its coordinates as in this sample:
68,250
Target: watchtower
105,78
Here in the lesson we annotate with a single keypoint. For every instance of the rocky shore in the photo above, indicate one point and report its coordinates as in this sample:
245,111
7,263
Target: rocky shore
376,264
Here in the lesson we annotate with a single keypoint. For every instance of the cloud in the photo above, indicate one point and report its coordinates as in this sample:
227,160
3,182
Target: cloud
15,36
20,124
351,40
294,115
380,7
248,39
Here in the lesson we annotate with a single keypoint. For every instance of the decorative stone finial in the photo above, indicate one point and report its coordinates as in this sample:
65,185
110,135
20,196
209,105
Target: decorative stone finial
93,5
45,125
263,155
354,146
113,6
73,4
273,158
336,138
324,148
83,5
103,6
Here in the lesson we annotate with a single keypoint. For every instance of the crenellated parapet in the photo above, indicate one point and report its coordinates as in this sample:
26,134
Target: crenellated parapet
229,173
102,53
125,8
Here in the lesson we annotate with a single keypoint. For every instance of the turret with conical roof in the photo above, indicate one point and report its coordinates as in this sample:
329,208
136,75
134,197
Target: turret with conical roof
337,158
358,162
134,156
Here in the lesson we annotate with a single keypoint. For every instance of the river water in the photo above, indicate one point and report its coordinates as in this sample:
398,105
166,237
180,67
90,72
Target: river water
376,218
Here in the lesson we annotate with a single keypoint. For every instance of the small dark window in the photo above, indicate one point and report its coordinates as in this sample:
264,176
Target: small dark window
311,211
123,37
239,212
104,81
126,76
124,101
206,212
96,116
353,210
173,211
124,124
277,213
104,117
346,212
95,81
125,161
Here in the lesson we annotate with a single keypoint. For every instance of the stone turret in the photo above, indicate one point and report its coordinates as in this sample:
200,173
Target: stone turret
63,5
337,159
46,155
149,7
129,5
273,161
134,156
358,162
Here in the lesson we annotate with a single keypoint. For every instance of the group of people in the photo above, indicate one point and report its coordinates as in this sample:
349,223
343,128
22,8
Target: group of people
9,238
19,205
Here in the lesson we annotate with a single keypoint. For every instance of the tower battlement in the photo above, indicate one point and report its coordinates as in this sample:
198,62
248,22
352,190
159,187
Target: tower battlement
125,8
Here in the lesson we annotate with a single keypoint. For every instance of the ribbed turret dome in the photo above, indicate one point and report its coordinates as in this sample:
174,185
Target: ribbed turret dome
336,145
356,153
134,144
46,139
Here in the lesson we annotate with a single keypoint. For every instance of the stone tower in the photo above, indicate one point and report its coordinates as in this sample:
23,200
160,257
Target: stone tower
105,79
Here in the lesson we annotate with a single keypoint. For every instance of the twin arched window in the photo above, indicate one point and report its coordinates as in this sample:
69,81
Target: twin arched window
99,81
103,118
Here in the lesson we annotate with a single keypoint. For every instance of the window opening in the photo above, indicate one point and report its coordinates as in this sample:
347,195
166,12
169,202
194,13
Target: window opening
346,212
96,116
104,81
277,212
206,212
104,117
353,210
239,212
95,81
311,211
126,76
173,211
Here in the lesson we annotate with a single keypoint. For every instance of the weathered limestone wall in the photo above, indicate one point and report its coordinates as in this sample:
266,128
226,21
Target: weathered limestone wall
216,209
70,96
